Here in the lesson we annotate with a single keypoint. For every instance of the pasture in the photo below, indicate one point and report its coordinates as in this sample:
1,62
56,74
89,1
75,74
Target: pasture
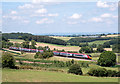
11,75
98,42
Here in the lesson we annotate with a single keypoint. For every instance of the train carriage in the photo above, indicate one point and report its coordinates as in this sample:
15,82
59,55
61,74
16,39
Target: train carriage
76,55
63,53
56,53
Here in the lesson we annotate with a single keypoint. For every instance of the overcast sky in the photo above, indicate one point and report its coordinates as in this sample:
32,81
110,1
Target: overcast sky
64,17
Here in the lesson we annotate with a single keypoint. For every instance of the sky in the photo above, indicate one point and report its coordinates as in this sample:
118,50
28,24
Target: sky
59,17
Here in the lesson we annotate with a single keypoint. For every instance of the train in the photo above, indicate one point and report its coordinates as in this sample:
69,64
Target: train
56,53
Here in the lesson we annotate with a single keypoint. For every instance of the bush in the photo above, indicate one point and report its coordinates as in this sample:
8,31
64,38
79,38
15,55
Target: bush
86,49
102,72
111,73
99,72
118,74
107,58
43,55
8,60
100,48
75,69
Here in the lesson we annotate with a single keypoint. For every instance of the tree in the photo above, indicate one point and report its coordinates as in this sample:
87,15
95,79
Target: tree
25,44
106,45
116,48
100,48
75,69
43,55
107,58
93,45
83,44
19,37
33,43
8,60
16,45
86,49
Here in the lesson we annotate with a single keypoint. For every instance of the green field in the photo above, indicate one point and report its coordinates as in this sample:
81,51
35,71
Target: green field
16,40
98,42
10,75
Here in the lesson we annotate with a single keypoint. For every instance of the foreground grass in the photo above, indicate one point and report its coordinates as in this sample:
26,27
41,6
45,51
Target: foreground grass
10,75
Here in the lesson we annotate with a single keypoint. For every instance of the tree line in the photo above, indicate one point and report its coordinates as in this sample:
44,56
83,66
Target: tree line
77,41
37,38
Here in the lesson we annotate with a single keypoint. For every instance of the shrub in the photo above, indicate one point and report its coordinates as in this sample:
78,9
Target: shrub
36,55
118,74
25,67
102,72
107,58
8,60
43,55
86,49
111,73
99,72
100,48
75,69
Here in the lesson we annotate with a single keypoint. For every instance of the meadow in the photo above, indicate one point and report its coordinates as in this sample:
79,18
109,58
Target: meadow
12,75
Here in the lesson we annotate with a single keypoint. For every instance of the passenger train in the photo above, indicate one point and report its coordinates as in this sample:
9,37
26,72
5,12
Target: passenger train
66,54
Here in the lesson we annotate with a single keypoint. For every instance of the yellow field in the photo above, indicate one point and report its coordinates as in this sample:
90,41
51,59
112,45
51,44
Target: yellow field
112,35
52,46
62,38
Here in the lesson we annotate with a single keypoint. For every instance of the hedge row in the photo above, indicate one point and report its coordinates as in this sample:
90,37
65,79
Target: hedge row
102,72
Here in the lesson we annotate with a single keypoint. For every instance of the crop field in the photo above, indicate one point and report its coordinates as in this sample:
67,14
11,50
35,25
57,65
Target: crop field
60,47
63,38
112,35
11,75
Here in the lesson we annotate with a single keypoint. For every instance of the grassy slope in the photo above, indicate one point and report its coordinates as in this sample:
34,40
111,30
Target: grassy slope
98,42
10,75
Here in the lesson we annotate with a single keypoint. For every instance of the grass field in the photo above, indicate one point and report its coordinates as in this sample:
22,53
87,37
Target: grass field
10,75
98,42
16,40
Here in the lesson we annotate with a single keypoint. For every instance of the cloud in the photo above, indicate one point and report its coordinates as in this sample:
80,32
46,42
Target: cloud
111,5
76,16
102,4
13,12
42,1
26,6
44,20
43,10
54,15
69,22
96,19
13,17
26,21
106,15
